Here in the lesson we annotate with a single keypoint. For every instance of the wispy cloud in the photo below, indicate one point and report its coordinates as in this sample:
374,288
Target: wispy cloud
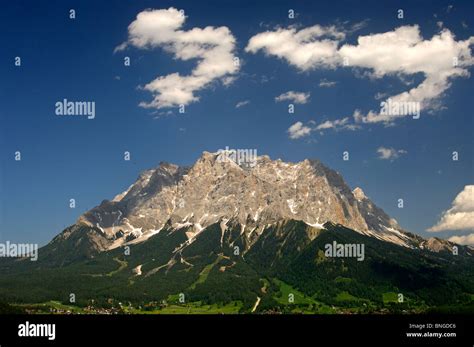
242,103
299,130
296,97
336,124
390,153
324,83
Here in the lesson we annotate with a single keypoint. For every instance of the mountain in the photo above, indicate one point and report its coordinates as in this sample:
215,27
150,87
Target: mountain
223,232
214,190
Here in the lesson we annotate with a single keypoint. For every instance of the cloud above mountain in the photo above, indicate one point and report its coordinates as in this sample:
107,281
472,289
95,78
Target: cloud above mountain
463,240
298,130
306,49
212,47
461,214
398,53
403,52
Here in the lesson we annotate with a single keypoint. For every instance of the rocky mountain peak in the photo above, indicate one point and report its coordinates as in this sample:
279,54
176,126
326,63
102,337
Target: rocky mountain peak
251,190
359,194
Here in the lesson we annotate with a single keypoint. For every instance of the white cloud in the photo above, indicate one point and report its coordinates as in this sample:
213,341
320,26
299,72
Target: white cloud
305,49
390,153
296,97
337,124
380,95
399,53
298,130
461,214
212,48
463,240
242,103
324,83
404,52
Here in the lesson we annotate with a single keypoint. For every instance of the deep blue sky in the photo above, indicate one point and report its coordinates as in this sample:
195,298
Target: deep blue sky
65,158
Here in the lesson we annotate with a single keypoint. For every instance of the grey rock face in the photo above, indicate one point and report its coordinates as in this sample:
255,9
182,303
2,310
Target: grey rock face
435,244
213,191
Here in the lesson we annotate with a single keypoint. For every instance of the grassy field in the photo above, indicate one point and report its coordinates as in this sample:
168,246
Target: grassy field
192,308
390,297
345,296
56,307
301,303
